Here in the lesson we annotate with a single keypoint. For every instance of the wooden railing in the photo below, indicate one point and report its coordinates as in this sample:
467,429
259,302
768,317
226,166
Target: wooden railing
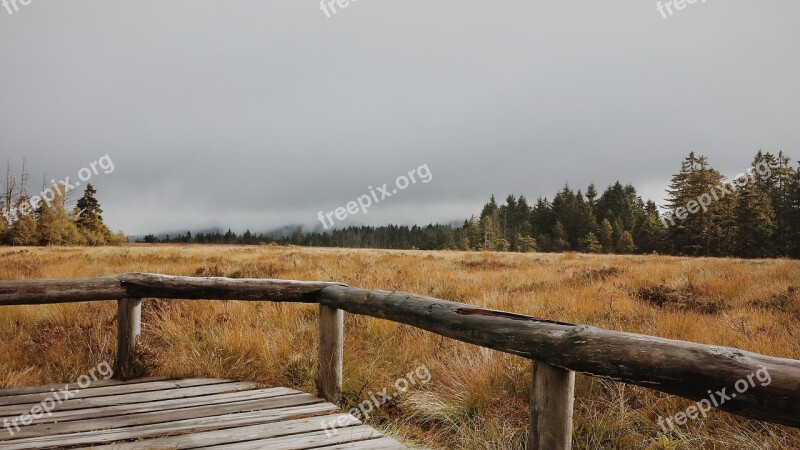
557,349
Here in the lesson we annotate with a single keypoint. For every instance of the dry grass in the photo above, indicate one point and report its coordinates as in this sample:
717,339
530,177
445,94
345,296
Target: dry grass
476,398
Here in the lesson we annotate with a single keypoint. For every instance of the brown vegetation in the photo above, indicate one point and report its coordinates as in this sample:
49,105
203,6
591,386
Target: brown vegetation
476,398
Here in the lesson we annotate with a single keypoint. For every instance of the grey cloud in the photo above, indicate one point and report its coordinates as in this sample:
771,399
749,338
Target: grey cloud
258,114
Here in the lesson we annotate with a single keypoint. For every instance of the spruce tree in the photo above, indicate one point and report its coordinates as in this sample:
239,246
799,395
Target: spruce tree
625,244
489,233
55,226
591,244
559,240
473,234
591,197
779,187
650,232
90,218
690,226
3,231
23,232
794,216
542,217
606,236
526,243
755,223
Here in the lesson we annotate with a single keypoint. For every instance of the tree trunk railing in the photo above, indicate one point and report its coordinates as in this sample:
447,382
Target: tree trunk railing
557,349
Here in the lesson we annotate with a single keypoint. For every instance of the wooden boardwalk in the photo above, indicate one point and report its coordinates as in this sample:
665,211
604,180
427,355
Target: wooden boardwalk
157,413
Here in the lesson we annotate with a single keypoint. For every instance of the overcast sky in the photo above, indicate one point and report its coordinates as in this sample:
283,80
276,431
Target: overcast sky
262,113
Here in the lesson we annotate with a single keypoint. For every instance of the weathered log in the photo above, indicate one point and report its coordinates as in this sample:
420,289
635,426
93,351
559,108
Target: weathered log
680,368
40,292
141,285
164,286
331,353
129,328
552,400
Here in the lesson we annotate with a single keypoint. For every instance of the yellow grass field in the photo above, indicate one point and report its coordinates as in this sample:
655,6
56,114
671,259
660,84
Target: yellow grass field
476,399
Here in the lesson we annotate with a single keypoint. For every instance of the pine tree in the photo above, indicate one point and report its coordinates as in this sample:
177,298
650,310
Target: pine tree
90,218
570,208
473,233
507,226
542,218
606,236
559,242
650,232
591,244
723,226
3,231
526,243
23,232
794,216
779,177
230,237
500,245
522,217
625,244
678,196
618,204
690,227
591,197
55,226
755,223
489,233
617,228
491,211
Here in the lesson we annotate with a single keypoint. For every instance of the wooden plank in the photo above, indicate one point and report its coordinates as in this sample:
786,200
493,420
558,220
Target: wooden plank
135,397
331,353
552,399
123,388
99,383
162,405
274,433
264,420
157,417
129,328
304,440
372,444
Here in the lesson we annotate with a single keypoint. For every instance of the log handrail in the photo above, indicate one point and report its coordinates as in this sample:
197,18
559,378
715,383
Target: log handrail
558,349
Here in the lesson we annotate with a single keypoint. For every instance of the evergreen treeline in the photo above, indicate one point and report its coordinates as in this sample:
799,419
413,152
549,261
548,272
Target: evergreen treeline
757,215
431,237
24,222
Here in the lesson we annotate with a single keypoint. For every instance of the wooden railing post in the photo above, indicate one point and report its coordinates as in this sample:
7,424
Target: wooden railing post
129,327
331,353
552,400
